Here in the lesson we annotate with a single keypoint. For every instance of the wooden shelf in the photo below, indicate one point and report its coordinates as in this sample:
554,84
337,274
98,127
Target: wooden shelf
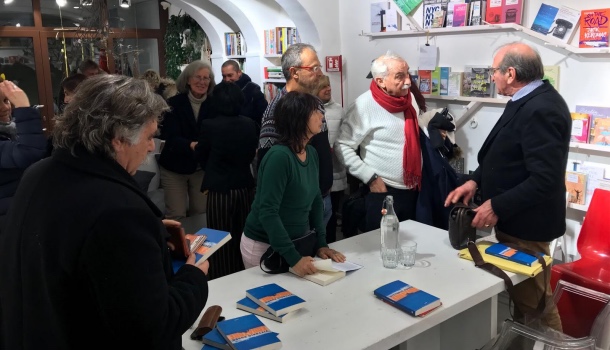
279,81
588,148
492,28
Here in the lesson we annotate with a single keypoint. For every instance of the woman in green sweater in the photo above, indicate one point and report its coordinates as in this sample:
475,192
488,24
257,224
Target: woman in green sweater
288,202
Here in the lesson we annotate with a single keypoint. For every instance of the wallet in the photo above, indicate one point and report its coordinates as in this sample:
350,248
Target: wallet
177,238
208,321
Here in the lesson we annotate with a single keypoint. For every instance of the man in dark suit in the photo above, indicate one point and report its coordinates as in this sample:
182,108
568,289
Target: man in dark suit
255,103
522,166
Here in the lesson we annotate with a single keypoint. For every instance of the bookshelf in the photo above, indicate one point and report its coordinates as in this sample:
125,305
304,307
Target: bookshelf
275,81
589,148
492,28
472,104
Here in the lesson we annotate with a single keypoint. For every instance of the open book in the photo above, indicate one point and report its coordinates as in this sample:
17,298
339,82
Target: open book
329,271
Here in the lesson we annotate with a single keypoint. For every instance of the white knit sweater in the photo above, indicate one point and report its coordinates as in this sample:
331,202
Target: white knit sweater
334,115
381,138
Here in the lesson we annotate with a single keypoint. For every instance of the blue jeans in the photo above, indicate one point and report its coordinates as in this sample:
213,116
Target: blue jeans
328,208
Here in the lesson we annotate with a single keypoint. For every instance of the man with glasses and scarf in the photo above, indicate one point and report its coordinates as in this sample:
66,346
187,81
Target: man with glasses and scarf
302,70
382,122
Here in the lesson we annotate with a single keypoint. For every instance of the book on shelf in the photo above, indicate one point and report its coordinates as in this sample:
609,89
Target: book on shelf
504,11
600,135
594,112
275,299
247,304
502,251
460,14
454,85
444,82
551,73
326,274
407,6
504,264
425,82
476,16
248,332
215,340
594,28
560,22
384,18
476,82
407,298
580,127
576,186
596,173
434,13
435,79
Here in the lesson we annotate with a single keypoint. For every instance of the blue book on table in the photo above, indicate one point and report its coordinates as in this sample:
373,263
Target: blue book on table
275,299
248,332
215,340
407,298
511,254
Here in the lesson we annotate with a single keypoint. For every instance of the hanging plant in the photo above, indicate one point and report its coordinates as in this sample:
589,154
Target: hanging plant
183,41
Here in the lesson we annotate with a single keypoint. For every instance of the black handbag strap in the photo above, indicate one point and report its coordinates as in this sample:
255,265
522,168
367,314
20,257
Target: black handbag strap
270,252
493,269
265,256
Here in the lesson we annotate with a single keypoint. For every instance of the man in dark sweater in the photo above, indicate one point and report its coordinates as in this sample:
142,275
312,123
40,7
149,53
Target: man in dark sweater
521,169
302,70
255,103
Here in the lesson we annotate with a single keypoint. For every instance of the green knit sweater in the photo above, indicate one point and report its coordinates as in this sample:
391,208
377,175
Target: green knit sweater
287,203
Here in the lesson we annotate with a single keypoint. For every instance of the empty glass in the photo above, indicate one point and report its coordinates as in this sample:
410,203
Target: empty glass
408,250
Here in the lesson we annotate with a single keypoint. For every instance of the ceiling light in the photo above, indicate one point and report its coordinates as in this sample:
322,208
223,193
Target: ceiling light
61,3
125,3
86,2
6,2
165,5
76,7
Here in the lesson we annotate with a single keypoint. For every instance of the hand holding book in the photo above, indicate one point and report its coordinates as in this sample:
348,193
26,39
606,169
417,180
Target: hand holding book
328,253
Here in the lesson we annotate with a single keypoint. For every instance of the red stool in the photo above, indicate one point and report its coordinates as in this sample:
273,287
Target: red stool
592,270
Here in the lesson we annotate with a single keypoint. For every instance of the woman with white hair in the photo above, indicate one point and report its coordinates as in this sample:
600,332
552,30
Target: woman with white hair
181,175
87,260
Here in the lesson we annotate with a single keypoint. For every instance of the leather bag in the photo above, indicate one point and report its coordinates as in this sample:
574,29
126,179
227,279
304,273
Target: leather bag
460,226
306,246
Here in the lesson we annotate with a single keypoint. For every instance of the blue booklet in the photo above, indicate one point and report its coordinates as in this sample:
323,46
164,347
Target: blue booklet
511,254
215,340
214,240
275,299
248,332
407,298
250,306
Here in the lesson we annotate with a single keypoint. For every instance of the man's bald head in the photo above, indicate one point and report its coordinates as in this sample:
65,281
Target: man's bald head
523,58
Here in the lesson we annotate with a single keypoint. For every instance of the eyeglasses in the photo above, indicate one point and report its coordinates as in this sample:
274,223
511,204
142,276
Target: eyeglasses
316,69
200,79
494,69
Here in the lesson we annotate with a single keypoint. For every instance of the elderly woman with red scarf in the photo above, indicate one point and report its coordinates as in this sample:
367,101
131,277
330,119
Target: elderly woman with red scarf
382,122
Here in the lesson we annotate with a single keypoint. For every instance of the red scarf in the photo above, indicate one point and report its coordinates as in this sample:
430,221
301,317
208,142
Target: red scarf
411,158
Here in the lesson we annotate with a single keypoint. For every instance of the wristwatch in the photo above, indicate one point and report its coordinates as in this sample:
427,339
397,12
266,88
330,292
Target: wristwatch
373,178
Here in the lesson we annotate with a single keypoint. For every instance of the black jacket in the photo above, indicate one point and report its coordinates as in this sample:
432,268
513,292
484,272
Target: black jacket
84,263
226,148
19,151
522,166
179,128
255,102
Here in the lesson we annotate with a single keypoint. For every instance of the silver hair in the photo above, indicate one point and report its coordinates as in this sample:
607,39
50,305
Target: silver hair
292,57
379,67
528,67
106,107
190,70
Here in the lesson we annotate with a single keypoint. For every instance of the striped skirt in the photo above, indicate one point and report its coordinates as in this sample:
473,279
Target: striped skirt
228,212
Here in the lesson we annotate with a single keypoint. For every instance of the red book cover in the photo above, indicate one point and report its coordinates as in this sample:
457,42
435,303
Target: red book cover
594,28
493,14
512,11
425,81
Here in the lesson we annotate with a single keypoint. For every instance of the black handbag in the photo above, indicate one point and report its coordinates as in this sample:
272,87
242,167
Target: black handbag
460,226
306,246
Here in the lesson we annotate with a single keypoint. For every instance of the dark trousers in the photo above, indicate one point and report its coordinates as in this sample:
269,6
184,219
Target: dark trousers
228,212
331,228
404,206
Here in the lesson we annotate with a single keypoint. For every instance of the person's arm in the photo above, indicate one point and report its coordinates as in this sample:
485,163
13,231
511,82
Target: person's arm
268,135
353,131
122,261
544,146
29,146
275,173
202,149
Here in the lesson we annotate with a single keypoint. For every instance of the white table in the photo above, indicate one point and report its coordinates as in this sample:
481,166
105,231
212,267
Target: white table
346,315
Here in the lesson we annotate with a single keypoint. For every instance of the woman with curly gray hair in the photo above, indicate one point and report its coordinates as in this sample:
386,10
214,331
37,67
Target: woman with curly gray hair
181,176
87,248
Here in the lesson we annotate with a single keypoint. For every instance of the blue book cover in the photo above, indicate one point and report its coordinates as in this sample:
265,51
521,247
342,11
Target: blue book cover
445,80
510,254
545,19
214,240
407,298
249,305
248,332
214,339
275,299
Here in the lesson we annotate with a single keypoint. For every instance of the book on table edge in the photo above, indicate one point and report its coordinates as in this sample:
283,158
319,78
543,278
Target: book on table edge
248,305
407,298
502,251
248,332
504,264
275,299
215,340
